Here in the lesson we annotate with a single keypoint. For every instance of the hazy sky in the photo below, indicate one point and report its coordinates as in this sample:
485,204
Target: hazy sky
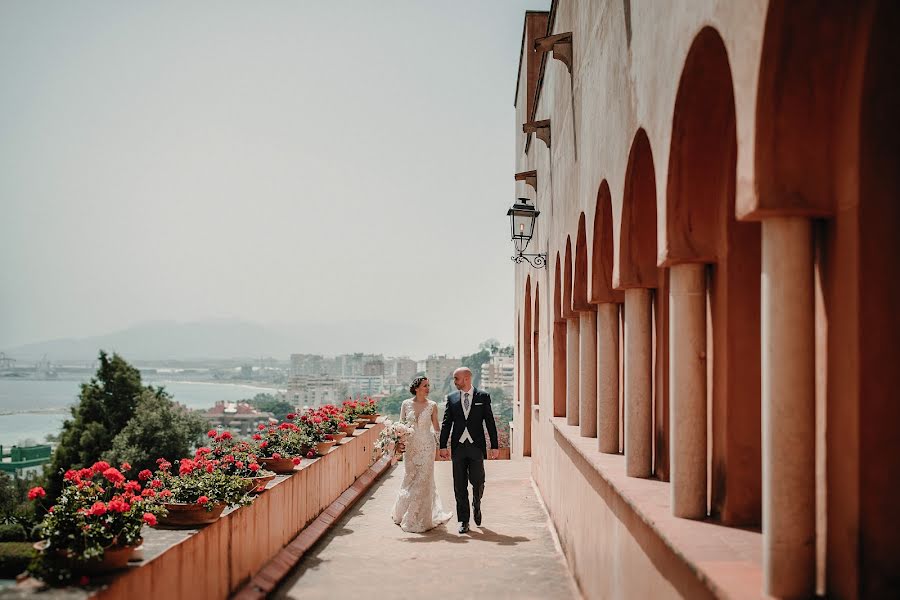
268,161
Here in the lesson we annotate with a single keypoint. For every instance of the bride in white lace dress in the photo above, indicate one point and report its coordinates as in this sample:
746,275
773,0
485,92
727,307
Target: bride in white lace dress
418,507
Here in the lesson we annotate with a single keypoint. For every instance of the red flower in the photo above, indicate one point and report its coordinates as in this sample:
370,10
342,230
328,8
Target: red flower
185,467
296,461
264,444
125,466
165,494
150,519
291,416
132,486
156,484
203,450
210,468
311,454
276,455
85,473
342,425
113,475
97,510
148,493
202,500
256,436
226,435
253,467
71,475
211,433
145,475
260,427
36,492
239,464
100,466
118,505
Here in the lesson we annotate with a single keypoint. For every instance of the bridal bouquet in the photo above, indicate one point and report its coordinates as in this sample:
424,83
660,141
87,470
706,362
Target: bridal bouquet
393,435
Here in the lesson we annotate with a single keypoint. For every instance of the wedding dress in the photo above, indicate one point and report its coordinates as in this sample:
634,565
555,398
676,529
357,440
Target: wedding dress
418,507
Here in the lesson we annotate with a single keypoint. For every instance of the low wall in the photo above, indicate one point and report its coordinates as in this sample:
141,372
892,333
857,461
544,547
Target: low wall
215,561
619,536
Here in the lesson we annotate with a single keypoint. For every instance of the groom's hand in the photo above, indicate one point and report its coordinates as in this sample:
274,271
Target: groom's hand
445,453
494,453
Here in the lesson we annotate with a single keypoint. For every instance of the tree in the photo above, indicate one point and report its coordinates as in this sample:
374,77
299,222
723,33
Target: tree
105,405
269,403
474,362
160,428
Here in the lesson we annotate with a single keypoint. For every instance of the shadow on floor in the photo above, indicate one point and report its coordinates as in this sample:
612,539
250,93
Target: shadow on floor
482,534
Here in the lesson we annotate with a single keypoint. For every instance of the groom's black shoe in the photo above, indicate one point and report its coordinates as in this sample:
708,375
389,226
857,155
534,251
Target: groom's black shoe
464,528
476,512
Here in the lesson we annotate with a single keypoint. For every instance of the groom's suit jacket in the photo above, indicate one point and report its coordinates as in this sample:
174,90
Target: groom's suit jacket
480,414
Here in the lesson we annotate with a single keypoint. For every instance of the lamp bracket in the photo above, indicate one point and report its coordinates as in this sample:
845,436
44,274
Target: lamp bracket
538,261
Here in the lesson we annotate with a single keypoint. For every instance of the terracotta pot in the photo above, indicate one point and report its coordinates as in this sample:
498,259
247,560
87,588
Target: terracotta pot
256,485
338,436
361,423
190,515
283,466
113,559
349,429
322,448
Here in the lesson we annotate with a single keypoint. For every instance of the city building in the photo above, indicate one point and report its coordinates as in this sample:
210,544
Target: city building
363,385
703,368
499,372
438,370
314,390
399,372
237,417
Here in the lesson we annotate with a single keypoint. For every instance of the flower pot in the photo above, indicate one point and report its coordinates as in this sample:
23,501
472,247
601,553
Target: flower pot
349,429
373,417
113,559
322,448
361,423
258,484
338,436
190,515
283,466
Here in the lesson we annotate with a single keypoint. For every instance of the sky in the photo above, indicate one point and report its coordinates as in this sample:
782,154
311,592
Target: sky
271,162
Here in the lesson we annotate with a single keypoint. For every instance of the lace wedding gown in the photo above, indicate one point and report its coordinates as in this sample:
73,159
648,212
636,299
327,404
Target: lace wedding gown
418,507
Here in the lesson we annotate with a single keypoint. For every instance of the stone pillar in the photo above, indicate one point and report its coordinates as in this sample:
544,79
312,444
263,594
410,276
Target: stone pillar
638,383
608,378
573,365
788,408
687,389
587,403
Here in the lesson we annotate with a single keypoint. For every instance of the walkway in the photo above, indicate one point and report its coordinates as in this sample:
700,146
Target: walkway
512,555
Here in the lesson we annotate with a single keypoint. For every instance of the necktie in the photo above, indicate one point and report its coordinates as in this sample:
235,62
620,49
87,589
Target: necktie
466,402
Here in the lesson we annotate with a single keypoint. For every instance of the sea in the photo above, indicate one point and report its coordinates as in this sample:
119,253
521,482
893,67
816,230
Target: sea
31,409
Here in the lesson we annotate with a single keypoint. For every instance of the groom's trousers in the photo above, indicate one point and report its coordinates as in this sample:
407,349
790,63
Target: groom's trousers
468,466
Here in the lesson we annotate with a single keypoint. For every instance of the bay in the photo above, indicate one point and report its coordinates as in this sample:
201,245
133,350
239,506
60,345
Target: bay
31,409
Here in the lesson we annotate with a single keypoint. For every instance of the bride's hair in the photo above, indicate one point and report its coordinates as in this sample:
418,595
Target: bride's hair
415,384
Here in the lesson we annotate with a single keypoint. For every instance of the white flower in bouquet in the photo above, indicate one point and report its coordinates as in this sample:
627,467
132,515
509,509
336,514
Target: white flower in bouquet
391,436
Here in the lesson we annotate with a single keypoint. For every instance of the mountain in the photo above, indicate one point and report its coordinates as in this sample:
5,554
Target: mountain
222,339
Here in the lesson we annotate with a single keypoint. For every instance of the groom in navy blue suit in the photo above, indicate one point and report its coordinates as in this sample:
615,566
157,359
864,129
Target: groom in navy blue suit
467,412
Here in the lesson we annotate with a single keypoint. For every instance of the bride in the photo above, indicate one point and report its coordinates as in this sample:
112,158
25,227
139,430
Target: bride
418,507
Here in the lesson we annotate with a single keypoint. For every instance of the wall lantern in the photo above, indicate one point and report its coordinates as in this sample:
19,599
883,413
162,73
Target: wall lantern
521,218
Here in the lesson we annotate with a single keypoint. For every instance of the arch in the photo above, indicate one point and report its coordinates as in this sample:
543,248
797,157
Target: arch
635,265
536,352
602,256
701,227
580,277
559,345
568,273
527,372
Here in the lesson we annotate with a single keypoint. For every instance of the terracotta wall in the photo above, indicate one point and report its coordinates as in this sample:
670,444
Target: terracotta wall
218,559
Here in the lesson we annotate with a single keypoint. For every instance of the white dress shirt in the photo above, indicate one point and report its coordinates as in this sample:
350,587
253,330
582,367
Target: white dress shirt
466,436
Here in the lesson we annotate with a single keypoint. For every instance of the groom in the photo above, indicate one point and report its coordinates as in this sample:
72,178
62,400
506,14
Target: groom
466,414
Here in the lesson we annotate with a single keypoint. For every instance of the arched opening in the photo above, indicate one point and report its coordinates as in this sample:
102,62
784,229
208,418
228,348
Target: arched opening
701,229
635,271
587,335
559,344
536,357
607,299
573,340
826,146
526,337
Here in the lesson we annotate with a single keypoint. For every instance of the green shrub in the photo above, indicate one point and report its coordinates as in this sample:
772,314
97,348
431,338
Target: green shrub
13,532
14,558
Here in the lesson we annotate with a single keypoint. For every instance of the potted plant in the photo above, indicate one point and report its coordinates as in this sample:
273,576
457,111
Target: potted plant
198,493
236,457
280,446
95,525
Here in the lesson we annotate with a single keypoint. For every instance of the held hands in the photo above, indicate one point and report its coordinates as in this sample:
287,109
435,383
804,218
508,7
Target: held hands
494,453
444,453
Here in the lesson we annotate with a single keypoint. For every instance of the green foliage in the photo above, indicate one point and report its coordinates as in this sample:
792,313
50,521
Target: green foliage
12,532
105,405
160,428
14,505
269,403
14,558
390,405
474,362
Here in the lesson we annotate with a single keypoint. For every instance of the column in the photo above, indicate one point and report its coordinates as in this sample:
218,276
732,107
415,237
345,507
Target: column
638,383
687,389
608,378
587,403
573,365
788,408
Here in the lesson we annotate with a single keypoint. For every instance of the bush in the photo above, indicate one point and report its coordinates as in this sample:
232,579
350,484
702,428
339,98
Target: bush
13,532
14,558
